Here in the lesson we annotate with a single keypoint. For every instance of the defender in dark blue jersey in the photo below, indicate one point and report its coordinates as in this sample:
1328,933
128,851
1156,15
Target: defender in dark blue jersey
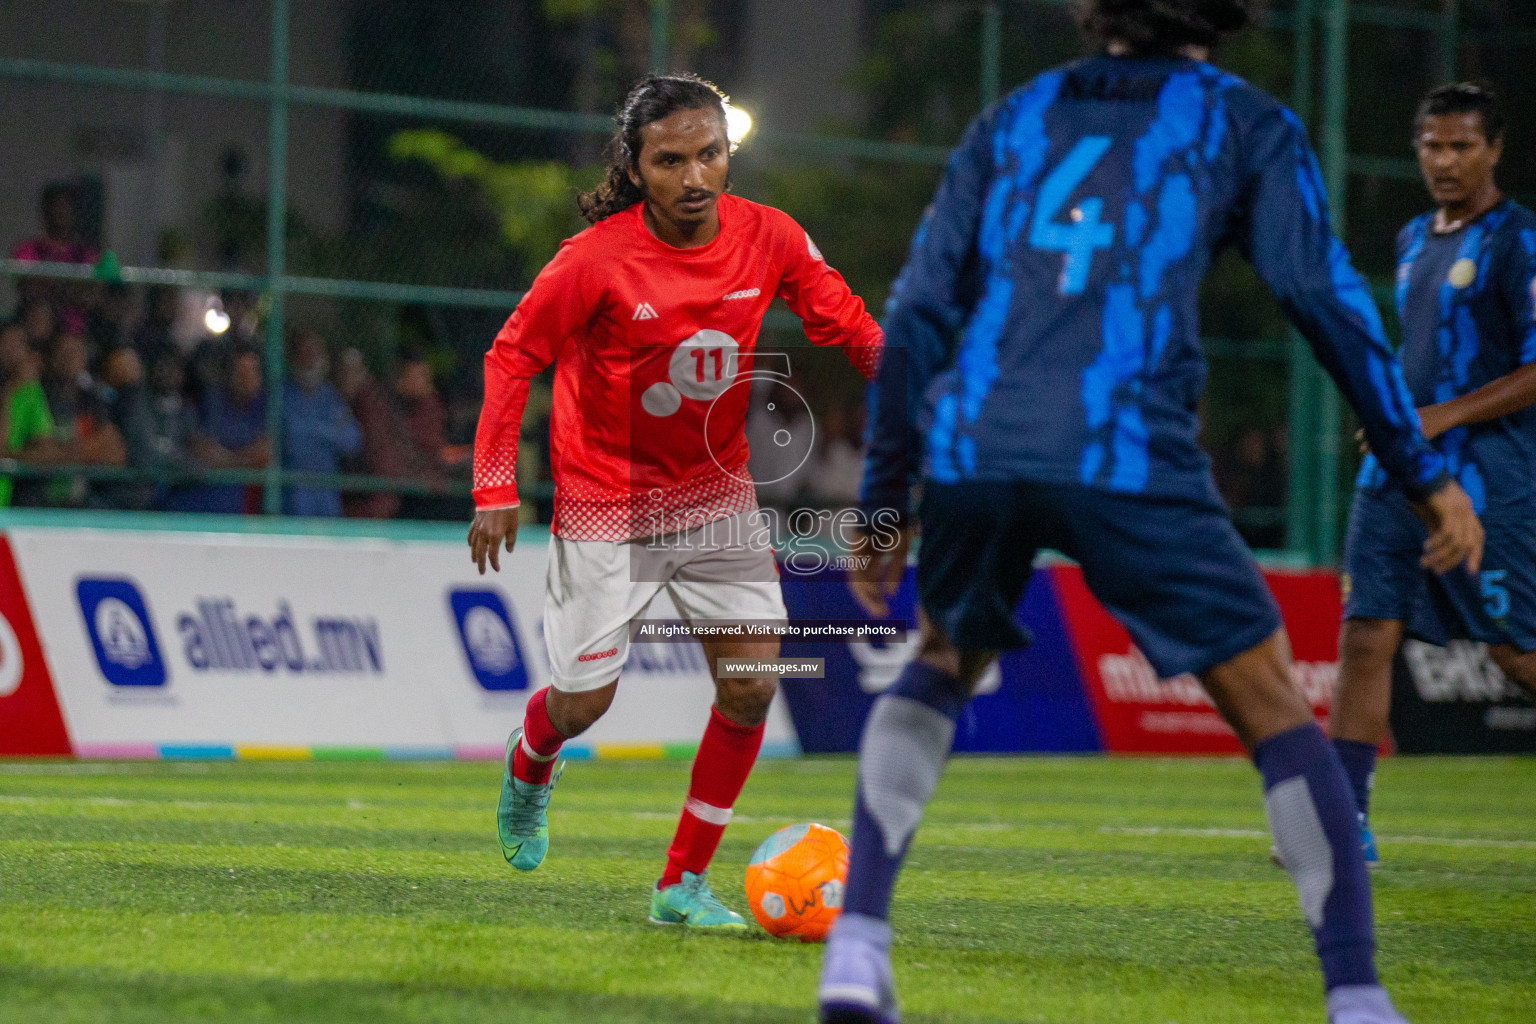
1466,295
1043,370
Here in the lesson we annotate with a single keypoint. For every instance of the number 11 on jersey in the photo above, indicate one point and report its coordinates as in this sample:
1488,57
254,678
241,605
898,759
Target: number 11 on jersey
700,356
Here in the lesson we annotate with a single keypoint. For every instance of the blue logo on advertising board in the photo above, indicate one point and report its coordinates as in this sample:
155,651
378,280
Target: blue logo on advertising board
489,639
121,631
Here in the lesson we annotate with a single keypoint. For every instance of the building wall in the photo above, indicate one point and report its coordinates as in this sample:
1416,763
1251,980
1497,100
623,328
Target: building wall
51,131
796,59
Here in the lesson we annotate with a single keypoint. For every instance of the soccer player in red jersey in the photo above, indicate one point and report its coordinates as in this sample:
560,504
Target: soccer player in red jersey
651,316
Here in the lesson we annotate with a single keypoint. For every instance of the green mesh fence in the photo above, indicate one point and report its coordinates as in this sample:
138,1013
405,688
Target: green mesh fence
391,174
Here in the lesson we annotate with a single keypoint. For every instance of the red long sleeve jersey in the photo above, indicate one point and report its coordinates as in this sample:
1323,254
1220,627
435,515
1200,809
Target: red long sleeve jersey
654,347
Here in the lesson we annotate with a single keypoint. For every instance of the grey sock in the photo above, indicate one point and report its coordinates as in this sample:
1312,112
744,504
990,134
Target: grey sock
863,929
902,755
1303,845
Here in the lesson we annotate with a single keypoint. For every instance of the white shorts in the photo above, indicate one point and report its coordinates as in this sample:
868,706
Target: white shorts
596,588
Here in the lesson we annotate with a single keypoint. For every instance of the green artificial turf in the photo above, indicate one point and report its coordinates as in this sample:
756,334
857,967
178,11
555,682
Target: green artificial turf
1073,891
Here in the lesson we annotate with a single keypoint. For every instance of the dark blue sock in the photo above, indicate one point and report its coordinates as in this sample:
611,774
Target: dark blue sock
902,752
1312,816
1360,765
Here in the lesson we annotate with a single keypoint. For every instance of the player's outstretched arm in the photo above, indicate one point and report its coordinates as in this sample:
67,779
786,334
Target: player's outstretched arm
1288,238
556,307
828,310
929,304
491,530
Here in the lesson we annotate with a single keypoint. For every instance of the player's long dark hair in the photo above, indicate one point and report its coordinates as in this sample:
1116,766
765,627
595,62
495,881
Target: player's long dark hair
1163,27
653,99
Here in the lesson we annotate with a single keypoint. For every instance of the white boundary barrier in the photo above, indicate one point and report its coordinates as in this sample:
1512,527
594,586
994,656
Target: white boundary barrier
190,644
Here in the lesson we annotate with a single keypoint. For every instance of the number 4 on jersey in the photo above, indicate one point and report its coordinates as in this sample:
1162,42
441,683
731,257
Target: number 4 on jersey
1079,239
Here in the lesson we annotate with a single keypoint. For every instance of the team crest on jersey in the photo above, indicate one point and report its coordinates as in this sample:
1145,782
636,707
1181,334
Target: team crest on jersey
644,311
810,247
1463,272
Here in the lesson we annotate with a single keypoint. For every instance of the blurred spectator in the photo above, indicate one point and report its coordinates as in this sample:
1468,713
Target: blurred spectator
464,411
108,325
385,449
1250,473
153,336
232,435
36,315
73,396
213,348
126,407
425,416
837,465
318,428
426,421
67,379
25,421
80,418
172,421
244,316
59,243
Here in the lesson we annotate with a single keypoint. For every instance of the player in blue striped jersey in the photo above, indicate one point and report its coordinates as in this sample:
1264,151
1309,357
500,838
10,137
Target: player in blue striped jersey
1466,295
1043,368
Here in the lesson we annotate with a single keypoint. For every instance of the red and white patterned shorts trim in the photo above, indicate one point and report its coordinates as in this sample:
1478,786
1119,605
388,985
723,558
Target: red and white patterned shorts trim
653,513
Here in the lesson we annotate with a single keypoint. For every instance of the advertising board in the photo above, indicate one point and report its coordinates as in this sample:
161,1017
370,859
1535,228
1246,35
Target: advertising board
213,644
31,724
151,643
1139,713
1032,700
1455,700
1081,687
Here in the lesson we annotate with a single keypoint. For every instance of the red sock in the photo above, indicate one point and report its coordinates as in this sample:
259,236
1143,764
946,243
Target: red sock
720,769
533,759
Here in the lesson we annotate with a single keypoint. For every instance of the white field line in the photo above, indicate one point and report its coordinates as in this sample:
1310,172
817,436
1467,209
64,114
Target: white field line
186,805
1150,830
114,801
128,768
1201,833
1254,833
981,826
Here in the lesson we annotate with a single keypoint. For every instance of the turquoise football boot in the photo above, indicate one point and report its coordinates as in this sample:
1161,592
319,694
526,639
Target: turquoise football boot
692,904
522,815
1368,844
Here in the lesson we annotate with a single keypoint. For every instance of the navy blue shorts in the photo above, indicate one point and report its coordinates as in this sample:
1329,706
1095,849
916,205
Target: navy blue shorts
1173,571
1383,580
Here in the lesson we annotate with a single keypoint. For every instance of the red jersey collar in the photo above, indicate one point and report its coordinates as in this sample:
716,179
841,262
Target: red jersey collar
694,252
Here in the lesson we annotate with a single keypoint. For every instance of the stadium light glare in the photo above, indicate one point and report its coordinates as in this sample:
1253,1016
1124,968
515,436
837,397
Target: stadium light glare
215,319
738,124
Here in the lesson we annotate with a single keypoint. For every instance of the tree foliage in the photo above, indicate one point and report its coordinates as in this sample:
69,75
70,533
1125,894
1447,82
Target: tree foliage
530,199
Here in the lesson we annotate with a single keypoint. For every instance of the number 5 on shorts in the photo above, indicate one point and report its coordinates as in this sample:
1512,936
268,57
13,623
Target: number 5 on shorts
1495,594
